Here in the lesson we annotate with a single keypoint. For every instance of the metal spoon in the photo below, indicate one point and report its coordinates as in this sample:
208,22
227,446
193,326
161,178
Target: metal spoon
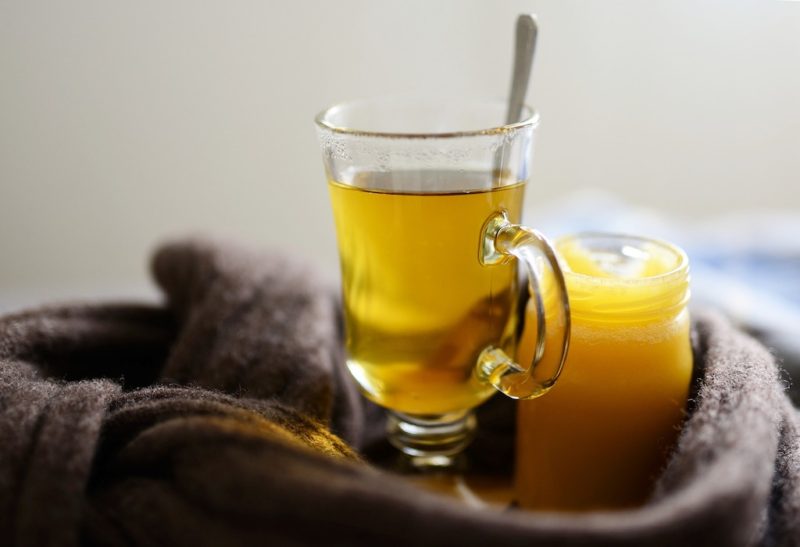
524,48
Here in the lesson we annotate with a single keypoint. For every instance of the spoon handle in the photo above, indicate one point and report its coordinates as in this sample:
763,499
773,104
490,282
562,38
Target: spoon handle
527,29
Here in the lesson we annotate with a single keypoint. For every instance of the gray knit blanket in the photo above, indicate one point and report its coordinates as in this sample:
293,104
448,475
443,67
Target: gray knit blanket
224,417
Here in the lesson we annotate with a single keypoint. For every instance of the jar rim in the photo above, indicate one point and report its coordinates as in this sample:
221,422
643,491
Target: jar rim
678,272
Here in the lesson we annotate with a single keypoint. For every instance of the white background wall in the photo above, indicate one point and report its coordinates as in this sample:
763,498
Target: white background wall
125,122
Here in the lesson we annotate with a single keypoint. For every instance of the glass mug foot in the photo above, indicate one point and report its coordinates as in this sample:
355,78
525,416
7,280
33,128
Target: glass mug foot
431,442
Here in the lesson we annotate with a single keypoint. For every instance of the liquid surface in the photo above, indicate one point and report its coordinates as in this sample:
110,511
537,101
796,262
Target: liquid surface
600,437
419,307
619,261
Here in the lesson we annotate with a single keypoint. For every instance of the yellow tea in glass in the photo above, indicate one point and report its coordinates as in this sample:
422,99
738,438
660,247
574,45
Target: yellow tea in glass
427,198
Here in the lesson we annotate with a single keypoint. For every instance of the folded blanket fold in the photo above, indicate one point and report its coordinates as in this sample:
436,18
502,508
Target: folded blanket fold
226,417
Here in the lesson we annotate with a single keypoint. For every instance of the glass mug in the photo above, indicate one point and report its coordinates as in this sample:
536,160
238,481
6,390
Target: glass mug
427,197
600,440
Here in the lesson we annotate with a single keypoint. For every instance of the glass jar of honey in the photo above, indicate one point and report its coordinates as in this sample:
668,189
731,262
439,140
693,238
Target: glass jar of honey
603,433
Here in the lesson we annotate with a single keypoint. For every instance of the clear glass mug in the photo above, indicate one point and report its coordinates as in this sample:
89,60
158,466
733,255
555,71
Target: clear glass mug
427,198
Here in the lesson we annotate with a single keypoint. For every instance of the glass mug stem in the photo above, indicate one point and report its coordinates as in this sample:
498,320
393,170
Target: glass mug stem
431,441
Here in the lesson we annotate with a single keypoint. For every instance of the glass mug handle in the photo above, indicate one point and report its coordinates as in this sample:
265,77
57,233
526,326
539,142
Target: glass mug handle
501,242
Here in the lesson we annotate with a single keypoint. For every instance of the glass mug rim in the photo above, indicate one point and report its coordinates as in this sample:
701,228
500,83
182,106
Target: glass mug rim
323,118
678,272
